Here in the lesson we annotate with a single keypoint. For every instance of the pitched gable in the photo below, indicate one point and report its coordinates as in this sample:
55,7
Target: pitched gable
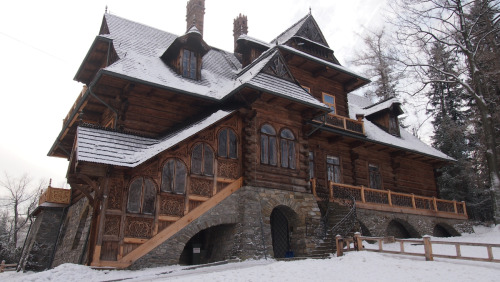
277,67
306,28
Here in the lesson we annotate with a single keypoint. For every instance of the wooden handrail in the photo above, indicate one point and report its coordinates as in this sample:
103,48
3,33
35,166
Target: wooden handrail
344,121
172,229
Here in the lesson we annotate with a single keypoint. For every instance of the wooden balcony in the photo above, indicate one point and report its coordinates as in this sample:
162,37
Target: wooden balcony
75,104
386,200
344,123
56,196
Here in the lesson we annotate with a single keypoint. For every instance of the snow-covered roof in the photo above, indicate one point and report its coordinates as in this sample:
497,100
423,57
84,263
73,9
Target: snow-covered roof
115,148
255,40
380,106
358,105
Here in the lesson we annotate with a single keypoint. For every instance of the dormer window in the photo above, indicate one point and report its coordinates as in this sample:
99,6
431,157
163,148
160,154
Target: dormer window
393,125
189,64
329,100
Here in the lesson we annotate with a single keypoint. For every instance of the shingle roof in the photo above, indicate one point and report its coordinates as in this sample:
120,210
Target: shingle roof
122,149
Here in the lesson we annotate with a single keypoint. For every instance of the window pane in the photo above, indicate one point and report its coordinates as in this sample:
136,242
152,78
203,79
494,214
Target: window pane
134,196
264,149
222,151
233,152
167,180
332,160
266,128
291,154
287,134
185,63
193,66
273,151
208,164
328,99
180,177
284,153
336,174
196,159
148,206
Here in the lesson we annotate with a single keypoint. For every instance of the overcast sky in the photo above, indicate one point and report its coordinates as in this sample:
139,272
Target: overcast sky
43,43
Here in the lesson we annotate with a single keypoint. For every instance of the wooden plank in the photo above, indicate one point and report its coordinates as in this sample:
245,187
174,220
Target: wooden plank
134,240
168,232
168,218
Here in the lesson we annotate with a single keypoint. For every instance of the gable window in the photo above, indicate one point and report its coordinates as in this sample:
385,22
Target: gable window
189,64
329,100
393,125
374,174
227,144
268,146
202,160
173,177
333,169
287,149
141,196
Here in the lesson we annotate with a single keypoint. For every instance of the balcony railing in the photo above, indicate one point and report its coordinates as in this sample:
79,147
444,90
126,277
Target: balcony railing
77,101
55,195
368,198
344,123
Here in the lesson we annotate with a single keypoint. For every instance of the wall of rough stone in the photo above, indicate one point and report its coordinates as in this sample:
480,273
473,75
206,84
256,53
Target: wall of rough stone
378,222
249,210
39,246
72,239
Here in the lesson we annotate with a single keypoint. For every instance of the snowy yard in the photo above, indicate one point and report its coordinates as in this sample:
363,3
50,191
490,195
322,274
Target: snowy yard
354,266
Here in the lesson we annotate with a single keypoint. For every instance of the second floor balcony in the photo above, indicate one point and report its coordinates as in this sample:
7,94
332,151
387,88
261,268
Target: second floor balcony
344,123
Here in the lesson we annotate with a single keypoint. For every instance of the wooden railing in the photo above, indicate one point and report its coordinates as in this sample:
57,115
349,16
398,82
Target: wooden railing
387,200
77,101
344,245
55,195
343,123
7,266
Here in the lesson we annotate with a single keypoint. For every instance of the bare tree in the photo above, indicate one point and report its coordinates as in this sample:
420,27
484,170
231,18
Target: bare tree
423,23
21,200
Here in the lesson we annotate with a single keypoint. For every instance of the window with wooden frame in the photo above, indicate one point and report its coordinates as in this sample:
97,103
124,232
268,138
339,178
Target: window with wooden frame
189,64
333,169
329,100
393,125
202,160
228,144
374,175
287,145
173,176
268,146
141,196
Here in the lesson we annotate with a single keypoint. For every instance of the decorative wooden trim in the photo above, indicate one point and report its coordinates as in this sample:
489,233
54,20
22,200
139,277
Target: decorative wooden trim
168,218
198,198
134,240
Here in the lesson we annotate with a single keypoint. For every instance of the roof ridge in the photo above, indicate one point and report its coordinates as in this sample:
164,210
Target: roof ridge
262,56
138,23
381,101
292,26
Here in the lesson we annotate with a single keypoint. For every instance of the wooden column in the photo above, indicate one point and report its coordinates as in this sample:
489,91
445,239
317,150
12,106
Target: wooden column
428,248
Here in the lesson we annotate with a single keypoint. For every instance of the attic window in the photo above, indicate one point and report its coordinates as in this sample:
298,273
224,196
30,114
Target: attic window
393,125
189,64
329,100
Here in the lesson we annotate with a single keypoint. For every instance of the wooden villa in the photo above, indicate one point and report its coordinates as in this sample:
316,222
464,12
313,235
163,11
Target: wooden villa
182,153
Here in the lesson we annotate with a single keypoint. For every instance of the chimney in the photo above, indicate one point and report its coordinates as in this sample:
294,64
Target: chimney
195,13
240,26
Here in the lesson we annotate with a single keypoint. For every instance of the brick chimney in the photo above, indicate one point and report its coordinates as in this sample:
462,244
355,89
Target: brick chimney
240,26
195,13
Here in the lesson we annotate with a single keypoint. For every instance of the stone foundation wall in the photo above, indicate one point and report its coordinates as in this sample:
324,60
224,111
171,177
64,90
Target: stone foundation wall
377,223
39,246
249,210
73,234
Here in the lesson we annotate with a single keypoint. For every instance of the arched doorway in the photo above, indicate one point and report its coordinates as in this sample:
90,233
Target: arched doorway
280,231
401,229
444,230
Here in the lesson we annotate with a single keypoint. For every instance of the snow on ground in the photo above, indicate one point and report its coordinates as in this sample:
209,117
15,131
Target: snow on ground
354,266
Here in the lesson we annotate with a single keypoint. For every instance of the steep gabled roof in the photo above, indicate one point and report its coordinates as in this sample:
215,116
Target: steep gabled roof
127,150
305,27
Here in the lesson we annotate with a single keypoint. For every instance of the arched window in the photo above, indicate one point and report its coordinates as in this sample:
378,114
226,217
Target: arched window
173,177
268,146
202,160
141,196
287,148
227,144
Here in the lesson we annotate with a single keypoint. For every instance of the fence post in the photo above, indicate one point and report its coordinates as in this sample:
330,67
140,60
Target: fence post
358,244
363,194
428,248
389,197
313,184
465,209
330,187
455,206
413,201
339,242
434,203
2,266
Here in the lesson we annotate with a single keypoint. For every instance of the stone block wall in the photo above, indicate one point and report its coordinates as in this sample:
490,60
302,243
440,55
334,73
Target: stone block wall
74,233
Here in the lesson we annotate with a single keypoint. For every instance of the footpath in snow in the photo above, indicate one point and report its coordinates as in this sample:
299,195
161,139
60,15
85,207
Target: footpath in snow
354,266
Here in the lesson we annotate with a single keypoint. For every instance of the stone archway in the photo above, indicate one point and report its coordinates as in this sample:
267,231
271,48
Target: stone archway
444,230
401,229
282,222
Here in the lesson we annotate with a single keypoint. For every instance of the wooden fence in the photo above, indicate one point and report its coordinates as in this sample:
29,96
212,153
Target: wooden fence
7,267
344,245
369,198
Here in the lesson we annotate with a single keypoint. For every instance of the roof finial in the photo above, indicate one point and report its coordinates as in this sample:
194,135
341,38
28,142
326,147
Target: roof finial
106,9
50,182
309,10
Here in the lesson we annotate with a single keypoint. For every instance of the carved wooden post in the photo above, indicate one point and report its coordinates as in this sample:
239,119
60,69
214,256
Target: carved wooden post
434,203
455,206
413,201
313,184
428,248
358,243
389,197
330,186
339,243
363,194
465,210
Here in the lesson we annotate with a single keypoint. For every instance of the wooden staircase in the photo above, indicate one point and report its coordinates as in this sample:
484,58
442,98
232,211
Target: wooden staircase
168,232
